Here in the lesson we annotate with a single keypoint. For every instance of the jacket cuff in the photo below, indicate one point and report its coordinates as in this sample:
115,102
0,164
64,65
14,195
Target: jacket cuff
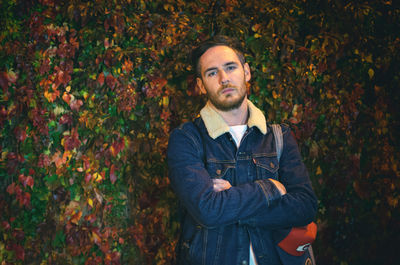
269,189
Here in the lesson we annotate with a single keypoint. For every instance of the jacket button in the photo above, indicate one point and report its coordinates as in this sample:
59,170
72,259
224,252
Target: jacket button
244,262
218,171
272,165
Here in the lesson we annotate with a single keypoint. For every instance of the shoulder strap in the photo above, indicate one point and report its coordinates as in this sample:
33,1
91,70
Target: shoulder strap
277,130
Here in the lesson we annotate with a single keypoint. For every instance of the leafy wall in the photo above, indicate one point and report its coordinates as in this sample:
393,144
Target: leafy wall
91,89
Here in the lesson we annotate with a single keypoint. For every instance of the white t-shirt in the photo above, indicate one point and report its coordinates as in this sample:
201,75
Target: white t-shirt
237,133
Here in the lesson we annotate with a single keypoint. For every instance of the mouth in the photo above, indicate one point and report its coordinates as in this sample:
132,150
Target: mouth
227,90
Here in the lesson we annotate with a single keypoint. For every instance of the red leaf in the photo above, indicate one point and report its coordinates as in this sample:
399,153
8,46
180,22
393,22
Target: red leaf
113,177
20,134
19,251
22,179
24,199
29,181
44,161
88,177
111,81
66,119
5,225
117,147
100,79
11,188
76,104
3,80
72,141
156,86
91,218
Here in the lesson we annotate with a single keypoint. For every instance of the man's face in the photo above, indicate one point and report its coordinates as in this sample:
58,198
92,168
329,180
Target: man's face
223,77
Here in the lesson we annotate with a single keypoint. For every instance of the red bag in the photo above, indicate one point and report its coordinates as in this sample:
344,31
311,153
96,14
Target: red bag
299,239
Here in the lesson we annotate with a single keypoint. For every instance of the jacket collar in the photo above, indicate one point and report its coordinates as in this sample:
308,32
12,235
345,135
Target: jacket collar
216,126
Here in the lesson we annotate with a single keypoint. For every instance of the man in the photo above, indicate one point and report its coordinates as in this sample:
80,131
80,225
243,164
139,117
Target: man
223,166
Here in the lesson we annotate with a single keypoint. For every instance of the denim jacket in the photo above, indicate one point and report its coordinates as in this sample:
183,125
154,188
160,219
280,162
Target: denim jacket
217,227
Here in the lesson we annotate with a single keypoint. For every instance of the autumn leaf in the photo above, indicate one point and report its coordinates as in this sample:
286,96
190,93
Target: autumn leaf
100,79
76,217
66,97
5,225
117,146
19,251
59,159
66,119
11,188
76,104
113,177
96,238
20,133
26,180
88,177
11,76
24,199
4,80
52,96
111,81
72,141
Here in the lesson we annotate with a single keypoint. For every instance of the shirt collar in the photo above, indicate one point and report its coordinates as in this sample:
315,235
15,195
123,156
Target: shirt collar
216,126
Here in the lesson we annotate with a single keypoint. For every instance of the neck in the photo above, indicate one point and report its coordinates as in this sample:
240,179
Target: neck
237,116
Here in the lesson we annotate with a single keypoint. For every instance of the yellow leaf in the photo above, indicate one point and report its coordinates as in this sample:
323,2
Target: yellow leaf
96,238
369,58
165,101
76,217
319,171
371,73
48,96
90,202
97,177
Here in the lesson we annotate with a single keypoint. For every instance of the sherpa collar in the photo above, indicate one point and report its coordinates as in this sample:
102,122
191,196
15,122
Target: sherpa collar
216,126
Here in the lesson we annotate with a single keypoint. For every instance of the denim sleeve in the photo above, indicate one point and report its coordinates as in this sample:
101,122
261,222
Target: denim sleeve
193,186
298,206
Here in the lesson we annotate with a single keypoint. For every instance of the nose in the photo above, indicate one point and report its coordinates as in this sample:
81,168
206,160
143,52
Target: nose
223,77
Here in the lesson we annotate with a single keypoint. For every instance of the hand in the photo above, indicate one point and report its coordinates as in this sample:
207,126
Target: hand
279,186
221,184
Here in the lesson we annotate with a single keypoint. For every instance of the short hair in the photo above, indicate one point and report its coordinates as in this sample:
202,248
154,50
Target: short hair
217,40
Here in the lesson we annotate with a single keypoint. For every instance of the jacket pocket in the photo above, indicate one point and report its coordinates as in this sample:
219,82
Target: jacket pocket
191,249
220,169
266,166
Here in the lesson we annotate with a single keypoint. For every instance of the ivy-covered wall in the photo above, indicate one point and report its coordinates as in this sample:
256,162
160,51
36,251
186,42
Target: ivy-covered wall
89,91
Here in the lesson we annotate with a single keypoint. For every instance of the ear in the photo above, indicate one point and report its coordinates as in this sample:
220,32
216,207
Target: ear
200,85
247,73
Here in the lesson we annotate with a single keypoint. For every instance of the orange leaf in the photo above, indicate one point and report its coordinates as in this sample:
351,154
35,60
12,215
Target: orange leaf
100,79
76,217
113,177
11,188
66,97
96,238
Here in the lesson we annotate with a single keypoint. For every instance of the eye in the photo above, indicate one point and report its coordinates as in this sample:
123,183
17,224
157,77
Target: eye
230,68
211,73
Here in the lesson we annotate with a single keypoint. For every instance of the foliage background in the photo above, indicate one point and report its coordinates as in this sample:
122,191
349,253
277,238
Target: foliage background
91,89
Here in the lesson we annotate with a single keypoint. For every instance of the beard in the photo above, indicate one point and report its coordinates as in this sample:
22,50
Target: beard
228,105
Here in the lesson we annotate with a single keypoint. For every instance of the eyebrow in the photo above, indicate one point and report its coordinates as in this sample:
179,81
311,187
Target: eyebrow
215,68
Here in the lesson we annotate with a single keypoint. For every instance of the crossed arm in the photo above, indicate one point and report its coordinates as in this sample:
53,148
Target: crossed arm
214,202
221,184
